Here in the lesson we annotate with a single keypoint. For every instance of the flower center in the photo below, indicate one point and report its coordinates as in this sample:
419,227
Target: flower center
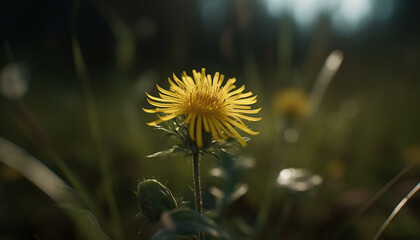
205,103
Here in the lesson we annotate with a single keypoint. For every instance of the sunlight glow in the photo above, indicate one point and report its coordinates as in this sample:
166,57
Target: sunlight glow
306,12
213,13
346,15
278,7
351,13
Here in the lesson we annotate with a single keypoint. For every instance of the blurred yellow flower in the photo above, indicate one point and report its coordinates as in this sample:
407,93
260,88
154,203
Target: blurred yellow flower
412,153
336,168
206,104
9,174
291,102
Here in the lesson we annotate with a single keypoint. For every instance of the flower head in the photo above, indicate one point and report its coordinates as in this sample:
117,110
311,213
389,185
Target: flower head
206,104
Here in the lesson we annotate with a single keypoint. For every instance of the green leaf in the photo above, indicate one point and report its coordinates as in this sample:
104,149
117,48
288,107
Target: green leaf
85,221
173,150
230,172
187,222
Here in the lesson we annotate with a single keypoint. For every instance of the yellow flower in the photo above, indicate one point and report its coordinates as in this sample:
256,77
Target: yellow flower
8,174
412,153
207,104
291,102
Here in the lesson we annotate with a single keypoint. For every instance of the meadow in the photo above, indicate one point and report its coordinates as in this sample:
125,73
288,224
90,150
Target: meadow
338,141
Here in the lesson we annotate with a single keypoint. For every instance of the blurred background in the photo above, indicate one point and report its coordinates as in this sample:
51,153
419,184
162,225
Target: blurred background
338,82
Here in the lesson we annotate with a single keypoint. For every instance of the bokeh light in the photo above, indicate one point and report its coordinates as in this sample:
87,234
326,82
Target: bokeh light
346,15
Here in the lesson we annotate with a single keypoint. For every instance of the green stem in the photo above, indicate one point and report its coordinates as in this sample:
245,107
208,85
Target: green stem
264,212
286,212
197,186
104,162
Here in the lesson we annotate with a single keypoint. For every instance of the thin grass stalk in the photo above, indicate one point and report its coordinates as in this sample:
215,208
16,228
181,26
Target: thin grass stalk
264,212
286,212
8,51
33,169
274,167
197,186
37,132
374,198
329,70
67,198
396,210
104,164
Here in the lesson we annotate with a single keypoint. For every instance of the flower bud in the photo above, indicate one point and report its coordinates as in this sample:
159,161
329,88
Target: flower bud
154,198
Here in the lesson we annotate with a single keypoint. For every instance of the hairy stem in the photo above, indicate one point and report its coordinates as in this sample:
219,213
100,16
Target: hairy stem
197,186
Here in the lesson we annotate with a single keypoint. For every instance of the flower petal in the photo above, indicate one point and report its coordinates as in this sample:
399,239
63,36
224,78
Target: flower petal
156,104
252,119
242,127
223,132
253,111
158,99
236,134
239,90
169,93
168,117
213,129
206,124
191,126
